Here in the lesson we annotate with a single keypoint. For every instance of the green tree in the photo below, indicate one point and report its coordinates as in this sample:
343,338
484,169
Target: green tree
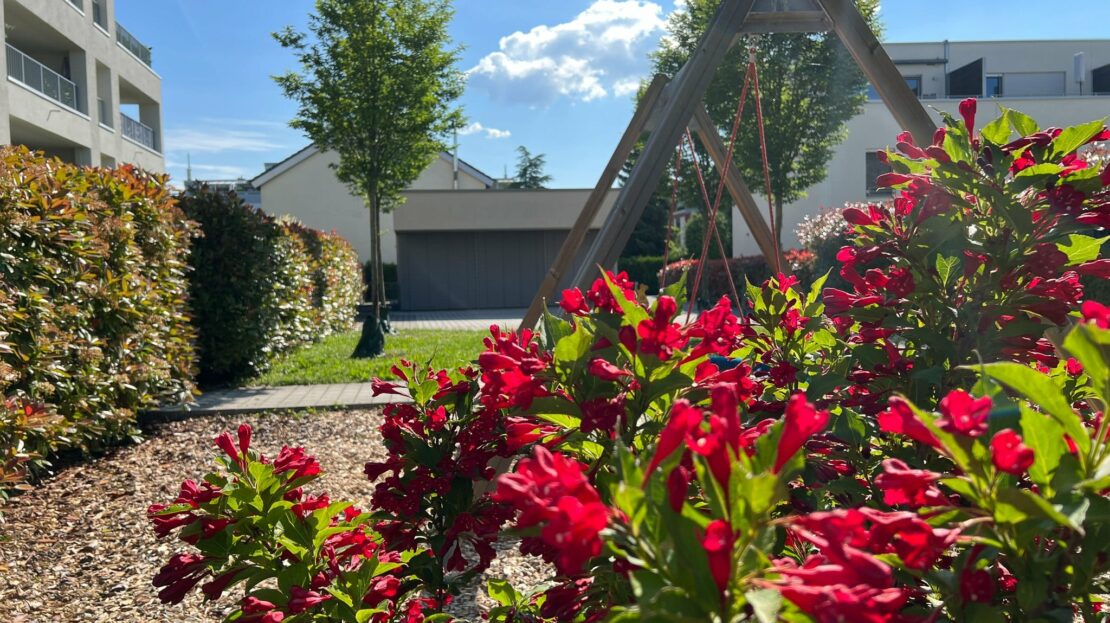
529,170
810,87
377,84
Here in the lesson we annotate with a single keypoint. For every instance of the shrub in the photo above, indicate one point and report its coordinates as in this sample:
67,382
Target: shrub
824,234
714,280
261,286
93,292
831,455
643,269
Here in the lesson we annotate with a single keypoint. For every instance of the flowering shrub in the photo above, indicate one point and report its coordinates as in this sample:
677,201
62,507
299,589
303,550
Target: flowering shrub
93,316
828,456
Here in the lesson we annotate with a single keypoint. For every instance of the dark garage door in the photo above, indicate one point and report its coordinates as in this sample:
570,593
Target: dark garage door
475,269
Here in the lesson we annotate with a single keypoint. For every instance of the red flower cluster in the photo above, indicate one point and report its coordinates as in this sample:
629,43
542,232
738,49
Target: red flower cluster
573,301
551,491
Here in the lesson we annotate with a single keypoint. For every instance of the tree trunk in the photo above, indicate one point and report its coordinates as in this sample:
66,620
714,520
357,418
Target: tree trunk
372,341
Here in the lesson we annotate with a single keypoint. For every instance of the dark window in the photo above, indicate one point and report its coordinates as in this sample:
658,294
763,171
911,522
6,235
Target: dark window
966,81
875,168
914,83
1100,80
994,86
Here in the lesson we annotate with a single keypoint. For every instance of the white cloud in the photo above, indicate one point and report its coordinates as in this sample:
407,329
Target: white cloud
217,138
627,86
209,171
478,128
599,53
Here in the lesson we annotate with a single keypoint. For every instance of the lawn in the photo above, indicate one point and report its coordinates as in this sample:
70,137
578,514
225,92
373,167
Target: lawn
329,361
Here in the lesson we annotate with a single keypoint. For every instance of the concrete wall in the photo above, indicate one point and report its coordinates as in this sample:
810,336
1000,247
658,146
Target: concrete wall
310,192
875,128
55,28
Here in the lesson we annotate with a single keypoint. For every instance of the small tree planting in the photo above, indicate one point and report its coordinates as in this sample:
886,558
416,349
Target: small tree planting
529,170
377,85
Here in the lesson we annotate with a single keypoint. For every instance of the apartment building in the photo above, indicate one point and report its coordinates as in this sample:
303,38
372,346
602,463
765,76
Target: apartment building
80,86
1058,83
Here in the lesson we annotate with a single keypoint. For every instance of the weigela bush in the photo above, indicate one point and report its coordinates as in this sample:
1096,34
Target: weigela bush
928,446
93,306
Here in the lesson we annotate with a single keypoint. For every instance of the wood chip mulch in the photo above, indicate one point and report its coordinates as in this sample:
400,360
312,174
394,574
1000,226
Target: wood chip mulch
79,548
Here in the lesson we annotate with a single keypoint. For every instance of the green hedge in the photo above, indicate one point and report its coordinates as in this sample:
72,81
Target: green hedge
261,286
643,269
93,293
714,280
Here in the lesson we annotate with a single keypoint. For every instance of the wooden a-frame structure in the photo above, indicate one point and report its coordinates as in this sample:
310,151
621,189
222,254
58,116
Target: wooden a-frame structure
669,107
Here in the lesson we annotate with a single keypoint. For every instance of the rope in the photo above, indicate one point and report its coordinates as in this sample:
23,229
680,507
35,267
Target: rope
766,165
670,215
710,231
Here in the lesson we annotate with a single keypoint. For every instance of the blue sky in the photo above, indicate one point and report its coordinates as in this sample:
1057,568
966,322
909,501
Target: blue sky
553,75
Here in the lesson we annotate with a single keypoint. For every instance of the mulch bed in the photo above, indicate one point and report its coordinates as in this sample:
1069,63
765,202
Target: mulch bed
79,548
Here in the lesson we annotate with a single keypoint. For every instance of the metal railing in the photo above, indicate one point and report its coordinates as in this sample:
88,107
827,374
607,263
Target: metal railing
80,4
104,112
133,45
37,76
136,131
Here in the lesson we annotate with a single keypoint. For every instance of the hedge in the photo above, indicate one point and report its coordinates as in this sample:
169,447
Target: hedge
93,317
261,286
714,280
643,269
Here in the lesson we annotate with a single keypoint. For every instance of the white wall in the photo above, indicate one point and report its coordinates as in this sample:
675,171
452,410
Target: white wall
485,210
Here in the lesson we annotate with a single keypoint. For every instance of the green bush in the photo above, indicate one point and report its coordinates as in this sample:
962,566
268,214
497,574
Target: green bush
93,294
643,269
261,286
714,280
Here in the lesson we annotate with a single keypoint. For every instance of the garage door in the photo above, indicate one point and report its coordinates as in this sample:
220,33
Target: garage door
475,269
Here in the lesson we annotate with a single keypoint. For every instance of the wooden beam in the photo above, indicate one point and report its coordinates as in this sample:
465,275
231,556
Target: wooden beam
577,235
682,96
857,36
786,21
737,188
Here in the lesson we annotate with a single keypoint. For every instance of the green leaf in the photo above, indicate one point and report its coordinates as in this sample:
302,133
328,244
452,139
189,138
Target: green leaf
1080,248
502,592
572,348
1017,505
765,604
945,268
1074,137
1021,122
997,131
1043,391
1079,344
1046,437
554,328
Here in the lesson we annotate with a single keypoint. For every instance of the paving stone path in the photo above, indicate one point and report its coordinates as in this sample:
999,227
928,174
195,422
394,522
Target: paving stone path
462,320
285,398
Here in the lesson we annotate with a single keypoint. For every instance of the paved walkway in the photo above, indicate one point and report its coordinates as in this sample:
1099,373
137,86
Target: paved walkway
466,320
286,398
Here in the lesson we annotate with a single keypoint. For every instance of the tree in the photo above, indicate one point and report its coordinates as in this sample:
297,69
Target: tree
529,170
377,85
810,87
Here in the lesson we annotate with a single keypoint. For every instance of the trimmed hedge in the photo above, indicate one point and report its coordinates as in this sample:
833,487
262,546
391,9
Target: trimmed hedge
93,318
261,286
643,269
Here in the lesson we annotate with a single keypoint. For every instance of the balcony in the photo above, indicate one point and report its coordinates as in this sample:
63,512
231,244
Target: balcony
37,77
132,45
136,131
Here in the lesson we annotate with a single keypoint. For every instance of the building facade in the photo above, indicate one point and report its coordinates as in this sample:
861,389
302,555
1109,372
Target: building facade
304,186
1058,83
80,86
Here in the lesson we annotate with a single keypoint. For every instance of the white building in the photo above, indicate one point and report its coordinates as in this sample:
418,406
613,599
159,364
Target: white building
79,85
1039,78
304,186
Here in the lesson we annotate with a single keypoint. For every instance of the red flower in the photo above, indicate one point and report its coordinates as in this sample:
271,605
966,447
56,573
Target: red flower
296,461
1073,367
718,542
792,320
913,487
574,303
301,599
659,336
901,283
892,179
602,297
1009,454
718,330
678,483
606,371
801,421
683,418
1095,268
964,415
976,586
967,111
227,444
178,576
856,216
899,418
1097,313
601,414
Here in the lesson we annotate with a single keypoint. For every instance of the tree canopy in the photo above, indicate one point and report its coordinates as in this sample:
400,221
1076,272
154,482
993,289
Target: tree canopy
529,170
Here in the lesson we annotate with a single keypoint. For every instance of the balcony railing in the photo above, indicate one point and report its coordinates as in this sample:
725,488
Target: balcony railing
80,4
133,45
104,112
37,76
136,131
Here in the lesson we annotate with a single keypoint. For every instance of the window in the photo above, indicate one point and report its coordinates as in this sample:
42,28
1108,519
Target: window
874,168
994,85
914,83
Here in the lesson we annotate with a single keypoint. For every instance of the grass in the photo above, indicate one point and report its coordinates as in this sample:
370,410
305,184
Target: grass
329,360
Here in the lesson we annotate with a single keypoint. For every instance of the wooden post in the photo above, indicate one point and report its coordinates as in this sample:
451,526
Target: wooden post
737,188
853,30
577,234
681,98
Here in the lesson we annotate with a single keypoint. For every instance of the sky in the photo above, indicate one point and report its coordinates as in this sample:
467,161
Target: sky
557,76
